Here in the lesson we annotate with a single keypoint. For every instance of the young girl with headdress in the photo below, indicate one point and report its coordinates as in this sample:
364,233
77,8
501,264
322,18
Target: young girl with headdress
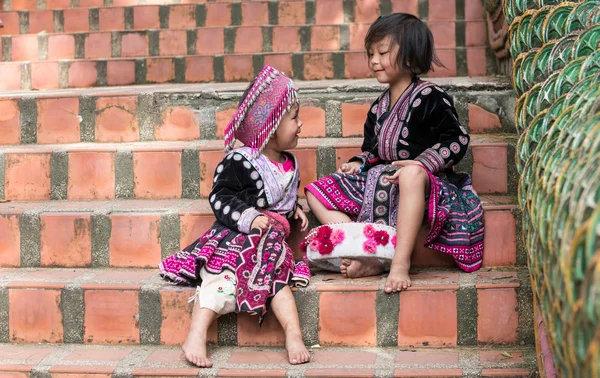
404,175
242,263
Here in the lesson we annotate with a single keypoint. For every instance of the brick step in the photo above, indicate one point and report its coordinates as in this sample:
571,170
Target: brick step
203,41
98,306
172,170
74,4
140,233
83,73
178,12
194,111
225,13
165,361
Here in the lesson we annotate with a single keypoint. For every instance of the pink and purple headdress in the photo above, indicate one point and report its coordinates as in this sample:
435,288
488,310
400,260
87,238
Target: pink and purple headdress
258,117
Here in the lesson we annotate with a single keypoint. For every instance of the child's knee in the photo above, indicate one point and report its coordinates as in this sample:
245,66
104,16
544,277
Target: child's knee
412,174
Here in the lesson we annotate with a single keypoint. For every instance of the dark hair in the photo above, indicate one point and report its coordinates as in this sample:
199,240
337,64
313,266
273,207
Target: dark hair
246,92
416,52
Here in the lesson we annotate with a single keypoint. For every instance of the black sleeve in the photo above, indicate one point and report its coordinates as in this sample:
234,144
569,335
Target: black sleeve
449,140
235,194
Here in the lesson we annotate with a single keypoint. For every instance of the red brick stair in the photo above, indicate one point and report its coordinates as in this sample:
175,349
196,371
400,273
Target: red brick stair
139,233
172,170
311,40
167,112
83,73
100,306
167,16
69,361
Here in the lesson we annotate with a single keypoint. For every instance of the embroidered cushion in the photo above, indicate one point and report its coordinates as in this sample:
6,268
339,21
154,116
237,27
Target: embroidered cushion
327,244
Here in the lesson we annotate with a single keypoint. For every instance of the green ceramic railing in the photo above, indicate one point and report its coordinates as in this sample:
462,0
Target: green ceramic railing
556,74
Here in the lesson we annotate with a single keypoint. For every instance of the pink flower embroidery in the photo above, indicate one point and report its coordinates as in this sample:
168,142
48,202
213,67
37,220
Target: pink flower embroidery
394,241
381,237
326,247
370,246
324,233
337,236
369,231
226,276
314,245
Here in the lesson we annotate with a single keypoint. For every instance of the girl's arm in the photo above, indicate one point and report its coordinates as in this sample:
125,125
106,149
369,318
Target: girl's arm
449,140
235,194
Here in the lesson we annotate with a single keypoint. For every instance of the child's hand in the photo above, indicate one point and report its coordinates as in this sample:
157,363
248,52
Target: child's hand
401,163
350,168
260,222
299,214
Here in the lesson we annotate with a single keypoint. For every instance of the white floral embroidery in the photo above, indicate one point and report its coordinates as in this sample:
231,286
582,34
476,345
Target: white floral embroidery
374,109
403,142
436,146
463,139
405,132
403,154
444,152
455,147
447,102
416,103
462,129
426,91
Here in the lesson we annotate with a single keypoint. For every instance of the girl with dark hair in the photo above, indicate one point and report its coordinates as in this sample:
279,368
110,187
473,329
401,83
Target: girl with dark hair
404,175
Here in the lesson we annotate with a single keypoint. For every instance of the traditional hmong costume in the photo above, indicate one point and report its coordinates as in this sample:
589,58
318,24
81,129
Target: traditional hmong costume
238,268
423,126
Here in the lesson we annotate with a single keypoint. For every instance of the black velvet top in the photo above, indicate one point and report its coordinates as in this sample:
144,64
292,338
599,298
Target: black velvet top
423,125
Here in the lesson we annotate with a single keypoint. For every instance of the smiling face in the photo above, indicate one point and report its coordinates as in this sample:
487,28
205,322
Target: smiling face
286,136
382,61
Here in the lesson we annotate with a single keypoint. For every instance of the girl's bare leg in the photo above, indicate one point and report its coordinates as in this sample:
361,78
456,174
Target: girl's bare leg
350,268
323,214
285,310
413,185
194,347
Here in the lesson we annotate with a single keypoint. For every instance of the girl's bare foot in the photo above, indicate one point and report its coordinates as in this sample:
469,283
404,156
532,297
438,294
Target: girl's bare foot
297,352
398,279
195,351
361,267
344,264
